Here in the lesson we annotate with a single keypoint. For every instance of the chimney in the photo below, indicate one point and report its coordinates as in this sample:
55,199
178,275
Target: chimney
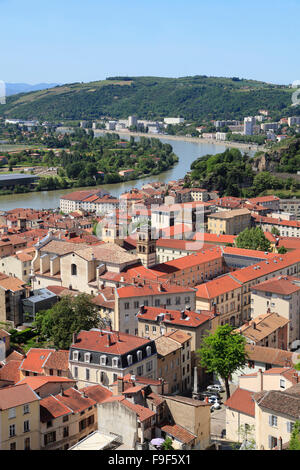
108,340
168,316
74,338
296,377
182,315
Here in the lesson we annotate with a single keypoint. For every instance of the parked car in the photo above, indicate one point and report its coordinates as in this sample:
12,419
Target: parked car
213,399
210,394
215,388
215,406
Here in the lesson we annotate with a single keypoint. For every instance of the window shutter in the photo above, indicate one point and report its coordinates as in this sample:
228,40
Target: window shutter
270,420
270,442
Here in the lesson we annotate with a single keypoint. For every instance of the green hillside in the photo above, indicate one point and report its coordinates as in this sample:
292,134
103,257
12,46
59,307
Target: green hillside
194,98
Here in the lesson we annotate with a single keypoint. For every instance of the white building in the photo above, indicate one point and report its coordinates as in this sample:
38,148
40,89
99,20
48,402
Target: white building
249,123
173,121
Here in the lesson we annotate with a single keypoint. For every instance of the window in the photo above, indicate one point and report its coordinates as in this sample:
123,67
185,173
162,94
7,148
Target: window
75,355
149,366
136,304
75,372
103,360
26,426
87,357
126,305
148,350
49,424
50,437
140,370
129,359
273,420
12,430
139,355
282,383
27,443
87,374
66,432
73,270
13,446
115,362
146,328
153,329
11,413
157,302
65,418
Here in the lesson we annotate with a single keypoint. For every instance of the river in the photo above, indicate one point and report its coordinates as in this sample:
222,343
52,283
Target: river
186,151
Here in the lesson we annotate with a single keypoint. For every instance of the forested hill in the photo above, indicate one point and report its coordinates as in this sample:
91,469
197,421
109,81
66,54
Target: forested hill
194,98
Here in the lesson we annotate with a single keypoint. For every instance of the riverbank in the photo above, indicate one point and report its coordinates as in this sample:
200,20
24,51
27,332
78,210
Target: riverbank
197,140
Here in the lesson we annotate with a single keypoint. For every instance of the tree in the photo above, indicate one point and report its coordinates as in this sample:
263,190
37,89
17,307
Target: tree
253,239
69,315
167,444
282,250
294,443
223,352
275,231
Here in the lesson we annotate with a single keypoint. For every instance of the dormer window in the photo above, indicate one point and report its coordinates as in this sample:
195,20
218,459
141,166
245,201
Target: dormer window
103,360
148,350
115,362
87,357
75,355
129,359
139,355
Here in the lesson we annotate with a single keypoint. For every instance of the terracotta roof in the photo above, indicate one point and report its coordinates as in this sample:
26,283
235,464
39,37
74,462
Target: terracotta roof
35,360
97,393
52,408
274,356
241,400
179,336
165,346
75,400
179,433
173,317
151,289
216,287
38,381
58,360
286,402
16,395
10,371
282,285
195,259
11,283
97,340
262,326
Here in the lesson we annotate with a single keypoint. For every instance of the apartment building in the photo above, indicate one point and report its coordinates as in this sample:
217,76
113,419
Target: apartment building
18,265
149,294
286,228
99,357
229,222
280,294
225,295
269,329
19,418
66,418
74,201
192,269
290,205
12,291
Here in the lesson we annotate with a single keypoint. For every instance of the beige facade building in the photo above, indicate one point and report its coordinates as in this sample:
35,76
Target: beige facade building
269,330
19,418
18,265
280,294
229,222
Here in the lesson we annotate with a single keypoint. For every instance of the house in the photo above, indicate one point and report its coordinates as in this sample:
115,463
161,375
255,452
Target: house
229,222
99,357
240,414
275,415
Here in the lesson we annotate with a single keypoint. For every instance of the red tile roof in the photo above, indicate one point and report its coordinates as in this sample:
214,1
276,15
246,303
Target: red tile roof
52,408
75,400
241,400
16,395
35,360
216,287
192,319
97,340
36,382
97,393
179,433
10,372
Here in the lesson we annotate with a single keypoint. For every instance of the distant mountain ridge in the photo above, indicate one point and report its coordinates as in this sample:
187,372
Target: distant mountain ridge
194,98
15,88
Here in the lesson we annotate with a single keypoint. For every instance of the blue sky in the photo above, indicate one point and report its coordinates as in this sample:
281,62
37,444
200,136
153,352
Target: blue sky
74,40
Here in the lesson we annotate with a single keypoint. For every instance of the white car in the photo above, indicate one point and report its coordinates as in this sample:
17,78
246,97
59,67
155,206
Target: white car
213,399
215,388
215,406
